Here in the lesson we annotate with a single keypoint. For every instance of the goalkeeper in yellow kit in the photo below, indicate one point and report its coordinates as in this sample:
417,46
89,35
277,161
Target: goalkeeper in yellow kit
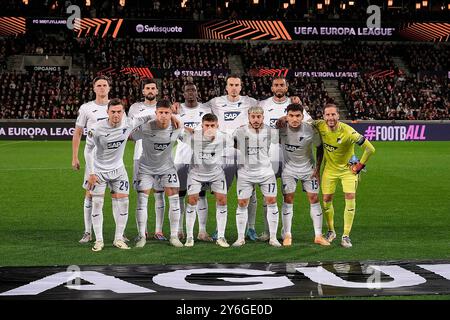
338,141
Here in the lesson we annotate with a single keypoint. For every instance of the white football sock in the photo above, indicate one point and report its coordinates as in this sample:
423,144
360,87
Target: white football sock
317,218
287,217
252,205
182,213
202,211
174,215
141,213
221,218
272,218
120,211
160,206
266,223
191,215
97,217
87,208
241,221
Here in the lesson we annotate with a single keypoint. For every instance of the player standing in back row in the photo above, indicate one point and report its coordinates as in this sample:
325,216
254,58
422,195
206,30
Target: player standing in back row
88,115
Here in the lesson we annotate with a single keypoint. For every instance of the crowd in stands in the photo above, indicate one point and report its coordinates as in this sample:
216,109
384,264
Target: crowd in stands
397,98
102,53
37,94
315,56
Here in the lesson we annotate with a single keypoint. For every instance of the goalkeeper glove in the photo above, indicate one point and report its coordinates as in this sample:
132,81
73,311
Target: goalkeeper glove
356,168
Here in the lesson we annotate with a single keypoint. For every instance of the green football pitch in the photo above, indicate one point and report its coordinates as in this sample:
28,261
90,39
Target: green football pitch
403,213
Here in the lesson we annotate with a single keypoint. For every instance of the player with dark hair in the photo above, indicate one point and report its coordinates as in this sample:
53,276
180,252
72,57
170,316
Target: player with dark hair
89,114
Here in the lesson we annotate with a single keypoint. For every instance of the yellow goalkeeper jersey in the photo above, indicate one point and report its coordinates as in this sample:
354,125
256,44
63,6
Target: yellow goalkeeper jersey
338,145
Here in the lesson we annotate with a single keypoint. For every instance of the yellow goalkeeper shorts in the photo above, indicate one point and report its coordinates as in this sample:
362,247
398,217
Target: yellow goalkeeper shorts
330,178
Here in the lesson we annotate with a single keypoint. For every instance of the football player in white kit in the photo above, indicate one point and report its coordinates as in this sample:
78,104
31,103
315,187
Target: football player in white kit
104,162
150,93
157,170
88,114
232,112
205,171
253,140
297,139
275,108
191,113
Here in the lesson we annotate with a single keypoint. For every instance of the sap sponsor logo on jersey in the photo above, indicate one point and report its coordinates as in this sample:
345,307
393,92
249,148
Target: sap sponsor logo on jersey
206,155
114,144
160,146
273,123
329,147
191,125
253,150
291,148
231,115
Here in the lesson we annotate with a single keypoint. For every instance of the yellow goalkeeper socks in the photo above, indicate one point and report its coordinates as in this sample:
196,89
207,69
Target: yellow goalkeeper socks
328,211
349,214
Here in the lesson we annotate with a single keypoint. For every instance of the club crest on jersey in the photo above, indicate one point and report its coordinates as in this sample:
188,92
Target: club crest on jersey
191,125
114,144
291,148
330,148
231,115
338,140
300,138
273,122
160,146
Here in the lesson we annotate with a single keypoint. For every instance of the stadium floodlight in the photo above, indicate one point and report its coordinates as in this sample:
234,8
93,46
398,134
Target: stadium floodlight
418,5
327,2
292,2
319,6
425,3
390,3
254,2
25,2
122,3
351,3
448,6
285,5
226,4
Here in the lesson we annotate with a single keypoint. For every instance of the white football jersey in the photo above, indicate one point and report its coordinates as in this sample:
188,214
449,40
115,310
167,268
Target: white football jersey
141,109
231,115
157,146
109,142
192,118
298,147
254,148
207,155
89,114
274,110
